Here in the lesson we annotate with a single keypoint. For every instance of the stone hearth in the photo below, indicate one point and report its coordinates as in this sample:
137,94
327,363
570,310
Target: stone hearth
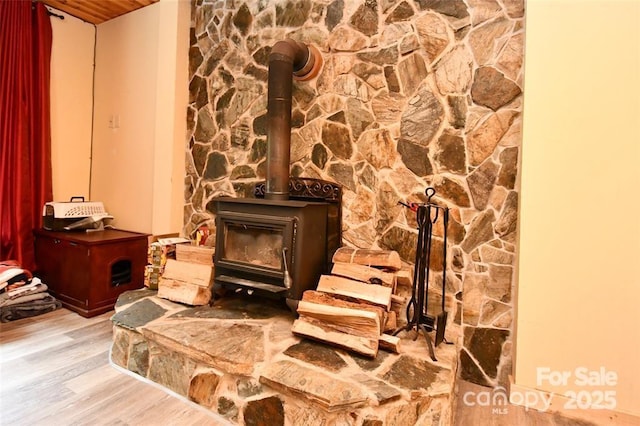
240,360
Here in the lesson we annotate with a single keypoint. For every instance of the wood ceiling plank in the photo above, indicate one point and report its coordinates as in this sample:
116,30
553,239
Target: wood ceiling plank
97,11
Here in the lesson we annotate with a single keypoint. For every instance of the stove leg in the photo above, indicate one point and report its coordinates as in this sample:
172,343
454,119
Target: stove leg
293,305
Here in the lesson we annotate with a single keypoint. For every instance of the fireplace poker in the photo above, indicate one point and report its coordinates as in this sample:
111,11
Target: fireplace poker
417,270
441,318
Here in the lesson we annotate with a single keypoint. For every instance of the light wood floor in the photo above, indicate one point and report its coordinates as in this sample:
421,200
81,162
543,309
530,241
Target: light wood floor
504,415
55,370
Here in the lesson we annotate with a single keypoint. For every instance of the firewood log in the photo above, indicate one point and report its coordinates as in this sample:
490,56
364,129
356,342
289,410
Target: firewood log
316,330
389,343
365,274
369,293
357,322
192,273
331,300
180,291
379,258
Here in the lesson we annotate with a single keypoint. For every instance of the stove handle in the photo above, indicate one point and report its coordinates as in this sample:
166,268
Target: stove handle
287,277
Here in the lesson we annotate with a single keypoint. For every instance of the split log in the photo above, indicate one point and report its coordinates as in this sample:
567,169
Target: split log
365,274
369,293
399,308
183,292
389,343
316,330
380,258
404,277
192,273
194,254
392,321
331,300
356,322
185,282
398,300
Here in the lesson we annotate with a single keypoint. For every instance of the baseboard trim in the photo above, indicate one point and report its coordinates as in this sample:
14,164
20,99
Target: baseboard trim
560,403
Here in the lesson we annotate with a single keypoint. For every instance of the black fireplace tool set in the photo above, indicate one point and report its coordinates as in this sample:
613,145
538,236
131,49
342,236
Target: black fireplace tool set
418,317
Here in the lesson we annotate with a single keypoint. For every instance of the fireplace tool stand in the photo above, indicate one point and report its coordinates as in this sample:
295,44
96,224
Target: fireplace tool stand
418,317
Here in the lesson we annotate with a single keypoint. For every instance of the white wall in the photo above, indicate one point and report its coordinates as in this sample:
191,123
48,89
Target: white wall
71,105
579,283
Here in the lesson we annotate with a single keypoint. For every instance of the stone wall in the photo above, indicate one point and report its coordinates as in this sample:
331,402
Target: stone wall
412,94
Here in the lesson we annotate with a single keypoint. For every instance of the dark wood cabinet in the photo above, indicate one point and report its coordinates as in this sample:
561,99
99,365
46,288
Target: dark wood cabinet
87,271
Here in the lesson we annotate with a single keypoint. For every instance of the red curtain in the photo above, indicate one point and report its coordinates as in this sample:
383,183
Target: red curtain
25,131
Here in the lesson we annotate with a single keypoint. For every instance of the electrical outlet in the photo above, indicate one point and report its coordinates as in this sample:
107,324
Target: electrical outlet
114,121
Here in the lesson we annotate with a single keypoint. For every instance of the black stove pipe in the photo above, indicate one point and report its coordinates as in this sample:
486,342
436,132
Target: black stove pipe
288,59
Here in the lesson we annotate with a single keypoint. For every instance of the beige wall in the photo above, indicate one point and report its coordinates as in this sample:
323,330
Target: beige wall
579,287
139,136
71,106
124,117
172,97
138,131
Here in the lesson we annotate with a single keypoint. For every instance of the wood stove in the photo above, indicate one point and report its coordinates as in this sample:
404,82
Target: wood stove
276,248
279,243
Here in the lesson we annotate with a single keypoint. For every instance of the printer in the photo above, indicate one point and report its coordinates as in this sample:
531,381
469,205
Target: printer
75,214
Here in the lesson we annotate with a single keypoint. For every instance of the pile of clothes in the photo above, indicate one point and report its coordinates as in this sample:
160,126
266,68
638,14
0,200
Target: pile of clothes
21,294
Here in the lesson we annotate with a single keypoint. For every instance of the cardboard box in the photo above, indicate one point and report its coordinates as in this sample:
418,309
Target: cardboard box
155,238
152,275
163,247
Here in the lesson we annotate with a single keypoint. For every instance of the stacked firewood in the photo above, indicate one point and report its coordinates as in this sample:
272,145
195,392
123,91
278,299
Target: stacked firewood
188,279
356,305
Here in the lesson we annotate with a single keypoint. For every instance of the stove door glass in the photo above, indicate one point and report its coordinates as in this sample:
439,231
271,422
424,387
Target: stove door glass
256,246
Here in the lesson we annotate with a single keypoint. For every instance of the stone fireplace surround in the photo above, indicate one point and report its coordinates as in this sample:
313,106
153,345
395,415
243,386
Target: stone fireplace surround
240,360
413,93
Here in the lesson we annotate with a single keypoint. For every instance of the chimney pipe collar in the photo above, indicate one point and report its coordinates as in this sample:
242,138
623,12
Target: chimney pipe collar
312,67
